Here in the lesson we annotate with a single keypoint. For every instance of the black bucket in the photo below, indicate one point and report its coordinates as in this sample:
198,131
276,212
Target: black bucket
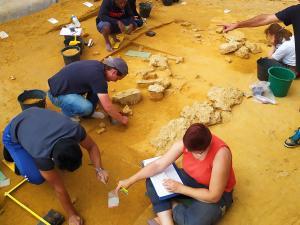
71,58
167,2
263,64
38,95
71,38
145,9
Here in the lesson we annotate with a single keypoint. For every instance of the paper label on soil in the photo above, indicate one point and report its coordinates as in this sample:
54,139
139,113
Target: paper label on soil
3,35
52,20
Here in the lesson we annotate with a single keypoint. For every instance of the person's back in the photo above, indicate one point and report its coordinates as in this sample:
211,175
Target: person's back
286,52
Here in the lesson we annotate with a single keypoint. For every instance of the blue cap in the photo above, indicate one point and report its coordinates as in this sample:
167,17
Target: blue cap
118,64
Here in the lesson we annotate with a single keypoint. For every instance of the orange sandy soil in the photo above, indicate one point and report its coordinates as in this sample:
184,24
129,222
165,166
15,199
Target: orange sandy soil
268,179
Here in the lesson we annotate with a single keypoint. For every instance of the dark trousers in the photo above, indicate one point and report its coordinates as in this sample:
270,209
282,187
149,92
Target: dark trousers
190,211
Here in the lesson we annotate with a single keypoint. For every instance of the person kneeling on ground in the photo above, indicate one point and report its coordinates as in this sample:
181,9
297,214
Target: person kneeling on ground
69,86
283,46
137,17
114,17
39,141
207,175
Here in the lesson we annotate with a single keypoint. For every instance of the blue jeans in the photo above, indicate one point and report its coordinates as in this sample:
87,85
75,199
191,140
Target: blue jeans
75,104
23,160
190,211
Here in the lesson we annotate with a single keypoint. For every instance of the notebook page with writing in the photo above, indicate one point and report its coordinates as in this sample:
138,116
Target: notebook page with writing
157,180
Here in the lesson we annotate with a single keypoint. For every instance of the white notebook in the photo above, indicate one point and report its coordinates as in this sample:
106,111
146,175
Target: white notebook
157,180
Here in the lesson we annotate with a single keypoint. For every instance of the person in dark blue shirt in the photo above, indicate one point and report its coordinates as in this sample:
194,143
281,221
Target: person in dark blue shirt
41,142
80,86
114,17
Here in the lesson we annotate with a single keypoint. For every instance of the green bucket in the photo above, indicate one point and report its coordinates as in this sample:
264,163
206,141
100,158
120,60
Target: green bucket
280,79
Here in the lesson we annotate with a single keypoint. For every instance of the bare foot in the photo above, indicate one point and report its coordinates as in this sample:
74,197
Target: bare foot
129,29
108,47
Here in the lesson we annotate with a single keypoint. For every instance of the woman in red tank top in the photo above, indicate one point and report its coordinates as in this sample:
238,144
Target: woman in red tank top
207,180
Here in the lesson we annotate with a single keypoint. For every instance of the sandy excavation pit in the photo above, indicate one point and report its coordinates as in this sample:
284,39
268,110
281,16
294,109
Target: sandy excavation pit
268,178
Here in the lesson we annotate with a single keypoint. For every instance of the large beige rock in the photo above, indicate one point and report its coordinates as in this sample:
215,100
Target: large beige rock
226,48
243,53
146,83
200,113
235,35
128,97
253,47
156,91
174,130
159,61
149,76
225,98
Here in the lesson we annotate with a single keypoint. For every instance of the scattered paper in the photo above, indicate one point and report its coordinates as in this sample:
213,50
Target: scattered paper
113,199
53,21
88,4
227,11
68,32
3,35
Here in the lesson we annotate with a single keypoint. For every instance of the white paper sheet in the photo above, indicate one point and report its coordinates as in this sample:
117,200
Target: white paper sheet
67,32
3,35
88,4
53,20
157,180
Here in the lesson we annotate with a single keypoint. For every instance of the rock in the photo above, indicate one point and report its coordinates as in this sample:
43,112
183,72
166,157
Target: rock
159,61
172,131
195,30
127,111
143,72
85,35
226,48
219,30
225,98
168,72
197,35
243,53
200,113
234,36
113,90
253,47
178,59
147,83
166,83
128,97
151,75
101,130
197,76
186,24
228,59
102,125
12,77
156,91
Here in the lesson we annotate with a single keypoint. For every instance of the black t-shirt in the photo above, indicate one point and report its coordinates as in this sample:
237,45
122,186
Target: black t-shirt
86,76
37,130
110,12
288,16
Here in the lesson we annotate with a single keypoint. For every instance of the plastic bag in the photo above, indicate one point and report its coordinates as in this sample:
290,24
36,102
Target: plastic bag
262,92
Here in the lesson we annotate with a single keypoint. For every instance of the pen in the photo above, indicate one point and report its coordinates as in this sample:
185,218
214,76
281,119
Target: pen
124,190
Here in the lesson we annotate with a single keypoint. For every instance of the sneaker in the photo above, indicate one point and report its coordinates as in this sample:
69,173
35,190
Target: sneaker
98,115
294,140
75,119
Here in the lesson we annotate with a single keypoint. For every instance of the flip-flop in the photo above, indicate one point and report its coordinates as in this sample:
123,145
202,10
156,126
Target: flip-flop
152,222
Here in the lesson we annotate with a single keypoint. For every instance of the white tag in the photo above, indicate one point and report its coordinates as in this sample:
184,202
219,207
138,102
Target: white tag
53,21
113,199
88,4
3,35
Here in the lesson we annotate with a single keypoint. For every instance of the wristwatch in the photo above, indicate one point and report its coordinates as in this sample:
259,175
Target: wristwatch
98,169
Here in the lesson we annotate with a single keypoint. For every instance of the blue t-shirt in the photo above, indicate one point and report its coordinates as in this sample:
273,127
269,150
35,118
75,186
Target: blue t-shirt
37,131
288,16
86,76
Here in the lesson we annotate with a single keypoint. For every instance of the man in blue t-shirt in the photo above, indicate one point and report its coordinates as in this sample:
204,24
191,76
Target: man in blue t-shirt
41,141
114,17
78,87
289,16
